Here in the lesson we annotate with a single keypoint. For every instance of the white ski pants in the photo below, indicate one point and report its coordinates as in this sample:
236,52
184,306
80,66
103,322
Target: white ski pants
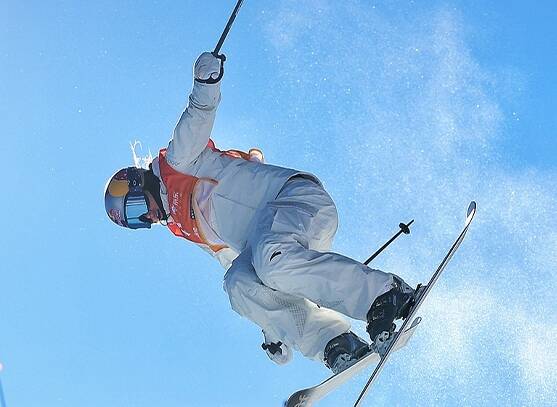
286,280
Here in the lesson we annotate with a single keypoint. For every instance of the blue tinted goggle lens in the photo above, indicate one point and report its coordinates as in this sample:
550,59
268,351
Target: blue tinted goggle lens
136,205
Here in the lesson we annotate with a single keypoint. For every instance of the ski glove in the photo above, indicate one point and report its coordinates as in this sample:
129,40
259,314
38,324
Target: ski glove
209,68
278,352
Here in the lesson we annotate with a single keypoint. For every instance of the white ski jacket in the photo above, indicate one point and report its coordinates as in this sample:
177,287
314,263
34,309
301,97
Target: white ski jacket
243,186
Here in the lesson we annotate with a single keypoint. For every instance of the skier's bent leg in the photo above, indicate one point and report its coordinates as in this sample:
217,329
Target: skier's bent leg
325,278
284,318
290,252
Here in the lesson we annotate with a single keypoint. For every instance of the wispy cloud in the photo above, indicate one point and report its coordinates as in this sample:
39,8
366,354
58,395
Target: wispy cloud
416,124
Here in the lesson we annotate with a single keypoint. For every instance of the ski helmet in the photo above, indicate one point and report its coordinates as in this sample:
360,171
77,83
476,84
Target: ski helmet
124,198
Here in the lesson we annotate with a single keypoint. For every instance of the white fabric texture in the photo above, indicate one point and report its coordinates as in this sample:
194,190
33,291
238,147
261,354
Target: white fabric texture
295,321
289,252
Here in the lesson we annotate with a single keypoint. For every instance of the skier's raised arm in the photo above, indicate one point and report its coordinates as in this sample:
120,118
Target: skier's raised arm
192,132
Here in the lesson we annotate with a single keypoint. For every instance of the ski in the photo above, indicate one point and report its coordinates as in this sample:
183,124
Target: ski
306,397
421,297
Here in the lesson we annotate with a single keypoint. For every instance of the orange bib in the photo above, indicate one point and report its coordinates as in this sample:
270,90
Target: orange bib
181,191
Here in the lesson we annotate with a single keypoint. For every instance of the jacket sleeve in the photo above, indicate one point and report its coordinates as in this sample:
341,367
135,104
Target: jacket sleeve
192,132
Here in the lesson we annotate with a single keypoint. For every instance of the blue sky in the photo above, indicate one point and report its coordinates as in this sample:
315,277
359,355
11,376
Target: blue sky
404,110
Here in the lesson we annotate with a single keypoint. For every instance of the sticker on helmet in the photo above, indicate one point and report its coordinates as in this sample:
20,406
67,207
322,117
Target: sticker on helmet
116,216
121,175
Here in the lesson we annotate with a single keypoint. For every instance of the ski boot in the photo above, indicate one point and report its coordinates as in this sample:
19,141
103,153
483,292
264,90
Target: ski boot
393,305
343,351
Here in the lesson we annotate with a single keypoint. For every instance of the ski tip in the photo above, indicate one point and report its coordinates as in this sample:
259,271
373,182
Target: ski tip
471,212
299,399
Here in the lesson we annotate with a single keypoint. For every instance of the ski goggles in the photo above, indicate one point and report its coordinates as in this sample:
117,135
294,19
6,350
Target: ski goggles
136,204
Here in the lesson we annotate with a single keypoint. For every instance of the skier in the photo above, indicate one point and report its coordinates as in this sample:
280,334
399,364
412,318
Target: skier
272,229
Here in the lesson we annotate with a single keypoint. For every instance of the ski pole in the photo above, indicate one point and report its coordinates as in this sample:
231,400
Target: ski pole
227,28
404,228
